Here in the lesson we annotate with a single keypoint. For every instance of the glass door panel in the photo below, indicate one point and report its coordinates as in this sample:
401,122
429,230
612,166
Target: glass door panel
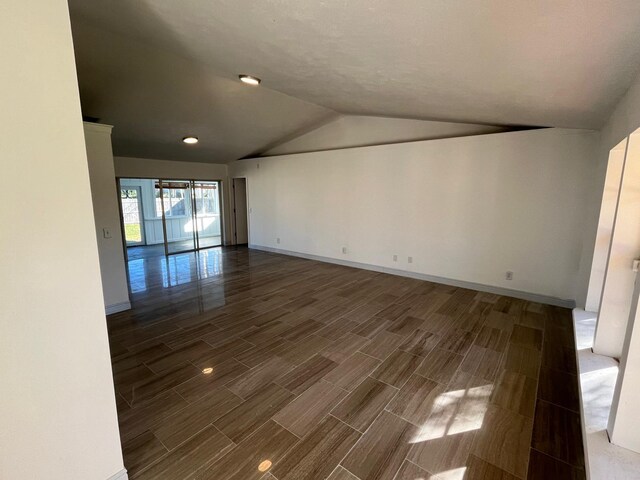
176,199
207,218
130,198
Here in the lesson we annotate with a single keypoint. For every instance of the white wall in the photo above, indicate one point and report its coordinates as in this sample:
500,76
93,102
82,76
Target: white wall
107,215
152,168
57,406
465,209
624,417
624,248
347,131
608,207
624,120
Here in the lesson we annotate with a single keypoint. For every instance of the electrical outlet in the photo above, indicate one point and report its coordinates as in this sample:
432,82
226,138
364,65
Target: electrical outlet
410,260
344,249
106,232
278,240
509,276
257,166
395,258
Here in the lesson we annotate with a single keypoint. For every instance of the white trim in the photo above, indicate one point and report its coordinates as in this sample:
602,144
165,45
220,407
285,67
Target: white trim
121,475
597,377
532,297
117,307
97,127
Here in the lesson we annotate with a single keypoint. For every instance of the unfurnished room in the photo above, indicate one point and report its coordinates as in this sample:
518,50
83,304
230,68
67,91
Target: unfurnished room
297,240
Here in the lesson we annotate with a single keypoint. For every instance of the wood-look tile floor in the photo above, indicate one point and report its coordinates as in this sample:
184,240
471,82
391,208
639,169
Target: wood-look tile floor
240,364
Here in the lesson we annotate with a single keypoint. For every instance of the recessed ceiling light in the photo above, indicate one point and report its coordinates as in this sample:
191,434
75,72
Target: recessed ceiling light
190,139
249,80
207,370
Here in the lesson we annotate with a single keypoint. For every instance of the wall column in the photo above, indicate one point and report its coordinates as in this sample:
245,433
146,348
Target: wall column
624,419
57,407
625,247
608,207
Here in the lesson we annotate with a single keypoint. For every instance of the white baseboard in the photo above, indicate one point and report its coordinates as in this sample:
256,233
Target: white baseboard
117,307
121,475
532,297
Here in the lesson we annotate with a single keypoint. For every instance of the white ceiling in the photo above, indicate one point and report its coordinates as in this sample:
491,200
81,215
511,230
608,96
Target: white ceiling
558,63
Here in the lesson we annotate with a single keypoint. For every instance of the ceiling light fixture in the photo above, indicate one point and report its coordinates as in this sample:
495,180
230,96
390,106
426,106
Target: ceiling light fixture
190,140
249,80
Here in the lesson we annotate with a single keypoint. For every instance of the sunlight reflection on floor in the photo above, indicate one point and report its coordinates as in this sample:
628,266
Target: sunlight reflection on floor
453,474
456,412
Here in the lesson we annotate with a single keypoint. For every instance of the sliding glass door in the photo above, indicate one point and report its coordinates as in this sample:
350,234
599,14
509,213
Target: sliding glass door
176,200
191,217
207,214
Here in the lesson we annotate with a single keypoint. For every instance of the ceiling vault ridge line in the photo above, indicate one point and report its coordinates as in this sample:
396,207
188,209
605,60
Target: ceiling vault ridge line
325,120
399,142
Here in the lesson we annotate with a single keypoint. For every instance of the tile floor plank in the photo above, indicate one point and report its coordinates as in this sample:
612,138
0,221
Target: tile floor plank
350,373
190,458
410,471
318,453
420,343
382,345
440,365
361,407
306,374
380,452
397,368
257,454
182,425
248,383
504,441
458,356
240,422
417,399
307,410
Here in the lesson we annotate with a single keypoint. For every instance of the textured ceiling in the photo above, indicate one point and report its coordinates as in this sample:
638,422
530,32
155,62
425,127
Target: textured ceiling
545,63
154,98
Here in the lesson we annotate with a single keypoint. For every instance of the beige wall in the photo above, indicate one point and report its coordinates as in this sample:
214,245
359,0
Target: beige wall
57,406
466,209
107,216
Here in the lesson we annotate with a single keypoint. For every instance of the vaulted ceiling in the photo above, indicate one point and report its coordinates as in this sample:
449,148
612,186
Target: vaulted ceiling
161,69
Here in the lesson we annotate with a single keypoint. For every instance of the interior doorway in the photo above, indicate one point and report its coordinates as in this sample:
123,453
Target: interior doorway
240,219
163,217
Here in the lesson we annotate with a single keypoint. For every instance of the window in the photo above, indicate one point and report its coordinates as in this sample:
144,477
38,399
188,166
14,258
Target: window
128,193
206,199
175,199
